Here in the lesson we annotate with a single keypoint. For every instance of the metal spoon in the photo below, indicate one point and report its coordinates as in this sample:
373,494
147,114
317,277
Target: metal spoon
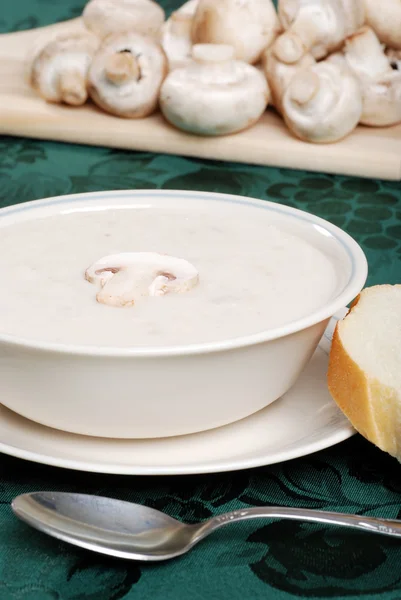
137,532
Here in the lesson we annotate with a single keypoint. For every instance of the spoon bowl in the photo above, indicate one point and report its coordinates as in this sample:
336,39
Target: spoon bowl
136,532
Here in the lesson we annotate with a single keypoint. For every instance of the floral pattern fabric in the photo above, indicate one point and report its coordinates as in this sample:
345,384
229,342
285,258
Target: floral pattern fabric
275,560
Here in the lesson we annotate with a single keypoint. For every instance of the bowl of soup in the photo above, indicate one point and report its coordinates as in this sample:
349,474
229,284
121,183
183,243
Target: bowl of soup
145,314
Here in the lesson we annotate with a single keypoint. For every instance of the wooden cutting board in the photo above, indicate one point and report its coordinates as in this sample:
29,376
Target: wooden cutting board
367,152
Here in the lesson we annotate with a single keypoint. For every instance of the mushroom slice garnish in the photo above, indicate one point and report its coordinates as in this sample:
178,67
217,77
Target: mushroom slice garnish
214,94
60,69
126,74
249,26
280,74
322,103
104,17
384,17
127,276
316,26
380,82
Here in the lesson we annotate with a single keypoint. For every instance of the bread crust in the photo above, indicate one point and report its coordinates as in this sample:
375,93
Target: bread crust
370,406
349,387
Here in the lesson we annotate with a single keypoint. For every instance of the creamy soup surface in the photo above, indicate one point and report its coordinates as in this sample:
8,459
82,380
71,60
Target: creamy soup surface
252,277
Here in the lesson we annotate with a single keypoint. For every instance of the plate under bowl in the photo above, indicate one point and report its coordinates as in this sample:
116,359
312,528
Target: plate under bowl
303,421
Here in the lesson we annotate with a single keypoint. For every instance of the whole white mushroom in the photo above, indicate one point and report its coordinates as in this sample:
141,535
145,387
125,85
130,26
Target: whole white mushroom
379,80
249,26
323,103
215,94
126,74
59,71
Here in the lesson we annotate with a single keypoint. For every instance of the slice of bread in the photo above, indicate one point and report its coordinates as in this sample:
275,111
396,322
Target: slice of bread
364,375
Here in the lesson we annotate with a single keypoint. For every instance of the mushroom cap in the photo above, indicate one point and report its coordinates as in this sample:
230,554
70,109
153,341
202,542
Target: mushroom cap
384,16
126,74
105,17
249,26
354,12
59,71
317,26
380,82
215,94
279,74
323,103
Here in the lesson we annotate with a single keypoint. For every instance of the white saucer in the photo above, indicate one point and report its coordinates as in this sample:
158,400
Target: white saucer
303,421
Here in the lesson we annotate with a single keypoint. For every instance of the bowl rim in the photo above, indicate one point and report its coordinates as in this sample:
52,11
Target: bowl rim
355,283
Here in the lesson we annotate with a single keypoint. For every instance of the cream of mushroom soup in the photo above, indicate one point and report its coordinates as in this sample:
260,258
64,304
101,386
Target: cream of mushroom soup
223,275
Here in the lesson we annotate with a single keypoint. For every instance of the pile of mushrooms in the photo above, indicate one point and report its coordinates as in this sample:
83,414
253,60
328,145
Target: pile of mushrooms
213,67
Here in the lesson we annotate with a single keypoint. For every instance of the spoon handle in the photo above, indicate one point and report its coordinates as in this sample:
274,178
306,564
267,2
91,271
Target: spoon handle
390,527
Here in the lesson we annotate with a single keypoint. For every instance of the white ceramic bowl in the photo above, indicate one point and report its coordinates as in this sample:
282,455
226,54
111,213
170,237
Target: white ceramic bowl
150,392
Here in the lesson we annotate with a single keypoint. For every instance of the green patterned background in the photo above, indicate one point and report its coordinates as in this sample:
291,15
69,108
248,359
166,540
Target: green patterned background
272,560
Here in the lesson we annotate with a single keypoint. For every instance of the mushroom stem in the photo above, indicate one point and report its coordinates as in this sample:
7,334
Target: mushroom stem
121,67
365,53
298,39
289,48
305,86
72,86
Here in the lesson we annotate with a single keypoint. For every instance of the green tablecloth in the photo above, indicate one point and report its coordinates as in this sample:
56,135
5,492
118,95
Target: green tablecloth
275,560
